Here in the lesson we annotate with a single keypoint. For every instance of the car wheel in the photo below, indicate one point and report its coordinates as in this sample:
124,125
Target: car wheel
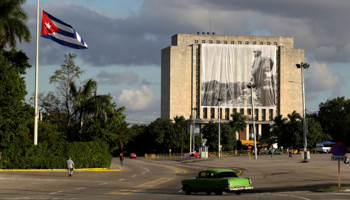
239,193
218,192
187,190
208,193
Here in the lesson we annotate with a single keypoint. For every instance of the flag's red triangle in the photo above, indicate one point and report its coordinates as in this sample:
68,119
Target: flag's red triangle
47,26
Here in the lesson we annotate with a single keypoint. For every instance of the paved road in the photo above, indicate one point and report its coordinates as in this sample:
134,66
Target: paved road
277,177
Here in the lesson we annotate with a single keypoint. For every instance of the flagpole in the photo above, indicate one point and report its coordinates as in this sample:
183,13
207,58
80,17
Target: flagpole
36,75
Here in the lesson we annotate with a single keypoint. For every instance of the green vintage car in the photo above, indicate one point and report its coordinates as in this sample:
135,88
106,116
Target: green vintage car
216,180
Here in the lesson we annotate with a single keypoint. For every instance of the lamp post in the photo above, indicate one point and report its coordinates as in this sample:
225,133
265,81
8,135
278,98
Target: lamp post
304,66
219,130
251,86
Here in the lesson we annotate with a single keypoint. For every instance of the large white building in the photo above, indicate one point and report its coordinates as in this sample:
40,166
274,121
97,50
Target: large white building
199,69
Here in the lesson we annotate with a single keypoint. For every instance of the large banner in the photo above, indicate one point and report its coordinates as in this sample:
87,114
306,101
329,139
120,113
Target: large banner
227,70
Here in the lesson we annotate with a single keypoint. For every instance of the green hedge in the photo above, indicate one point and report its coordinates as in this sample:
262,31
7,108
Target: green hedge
54,156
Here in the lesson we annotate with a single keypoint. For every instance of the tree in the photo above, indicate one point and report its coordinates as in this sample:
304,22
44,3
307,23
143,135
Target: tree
113,132
334,117
227,139
60,102
15,114
87,103
238,123
180,127
315,133
13,23
277,132
137,139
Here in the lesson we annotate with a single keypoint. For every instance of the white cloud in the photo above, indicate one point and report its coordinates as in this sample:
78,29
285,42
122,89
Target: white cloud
322,78
138,99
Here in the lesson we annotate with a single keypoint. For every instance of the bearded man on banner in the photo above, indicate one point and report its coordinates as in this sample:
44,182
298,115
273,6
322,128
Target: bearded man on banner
263,79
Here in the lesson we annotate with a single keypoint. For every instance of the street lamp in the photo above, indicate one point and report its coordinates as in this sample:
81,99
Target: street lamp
251,86
219,130
304,66
192,131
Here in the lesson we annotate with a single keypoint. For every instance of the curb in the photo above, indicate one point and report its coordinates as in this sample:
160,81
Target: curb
61,170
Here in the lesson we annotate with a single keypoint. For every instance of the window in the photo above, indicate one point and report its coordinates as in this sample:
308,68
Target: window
254,42
263,115
256,113
210,175
217,41
225,42
268,43
239,42
275,43
227,111
242,111
220,111
249,111
226,174
196,41
205,113
232,42
201,175
212,113
246,42
270,114
210,41
261,43
203,41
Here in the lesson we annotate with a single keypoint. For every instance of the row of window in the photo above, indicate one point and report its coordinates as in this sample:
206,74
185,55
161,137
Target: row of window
233,42
241,111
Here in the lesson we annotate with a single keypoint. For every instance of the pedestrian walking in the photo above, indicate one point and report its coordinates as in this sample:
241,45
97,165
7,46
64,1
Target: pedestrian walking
70,166
121,157
272,151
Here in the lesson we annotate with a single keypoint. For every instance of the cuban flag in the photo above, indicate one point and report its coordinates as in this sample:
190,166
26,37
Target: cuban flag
60,32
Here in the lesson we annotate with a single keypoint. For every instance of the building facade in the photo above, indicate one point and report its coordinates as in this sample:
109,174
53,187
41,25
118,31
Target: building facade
205,74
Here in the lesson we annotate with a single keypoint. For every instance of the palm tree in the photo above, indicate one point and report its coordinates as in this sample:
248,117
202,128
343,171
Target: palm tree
294,117
12,23
276,134
179,126
87,103
238,124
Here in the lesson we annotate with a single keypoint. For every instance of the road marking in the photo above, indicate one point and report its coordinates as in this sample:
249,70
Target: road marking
291,196
27,198
103,183
121,180
80,188
149,186
135,186
143,172
56,192
133,176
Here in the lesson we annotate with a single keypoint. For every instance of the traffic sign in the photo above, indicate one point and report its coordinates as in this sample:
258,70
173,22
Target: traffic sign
339,158
249,147
338,149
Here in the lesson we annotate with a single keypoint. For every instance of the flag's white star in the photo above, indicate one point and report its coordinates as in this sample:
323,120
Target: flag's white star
48,26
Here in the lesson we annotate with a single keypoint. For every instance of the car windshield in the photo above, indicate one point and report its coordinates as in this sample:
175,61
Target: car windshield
226,174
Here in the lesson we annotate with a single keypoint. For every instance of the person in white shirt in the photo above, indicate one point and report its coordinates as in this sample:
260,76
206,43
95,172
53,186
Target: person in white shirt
70,166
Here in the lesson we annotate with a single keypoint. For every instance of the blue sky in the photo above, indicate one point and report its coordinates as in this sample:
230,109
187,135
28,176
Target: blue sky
125,39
